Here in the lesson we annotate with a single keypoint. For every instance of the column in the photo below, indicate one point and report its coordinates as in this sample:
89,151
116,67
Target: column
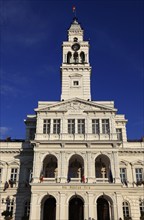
133,175
90,168
59,168
119,201
130,175
57,211
34,208
91,206
63,168
86,211
63,207
116,167
37,165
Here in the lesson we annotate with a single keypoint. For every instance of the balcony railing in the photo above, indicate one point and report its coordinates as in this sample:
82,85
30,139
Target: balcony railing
66,136
50,180
102,180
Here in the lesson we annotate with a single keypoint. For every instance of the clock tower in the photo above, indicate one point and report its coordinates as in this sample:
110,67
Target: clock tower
75,69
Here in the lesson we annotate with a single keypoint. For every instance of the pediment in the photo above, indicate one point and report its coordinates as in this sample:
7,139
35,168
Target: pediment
76,105
13,162
2,163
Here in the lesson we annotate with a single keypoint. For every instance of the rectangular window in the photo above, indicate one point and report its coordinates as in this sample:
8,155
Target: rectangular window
119,134
75,83
139,175
46,126
123,175
10,206
141,207
14,173
105,126
71,126
56,126
95,126
81,126
125,209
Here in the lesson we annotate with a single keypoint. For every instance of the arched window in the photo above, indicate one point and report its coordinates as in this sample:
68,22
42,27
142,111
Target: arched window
50,166
75,39
27,208
69,57
103,170
75,56
76,169
141,205
82,55
126,209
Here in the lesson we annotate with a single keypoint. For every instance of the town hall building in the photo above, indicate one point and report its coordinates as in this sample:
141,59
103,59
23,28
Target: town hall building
76,162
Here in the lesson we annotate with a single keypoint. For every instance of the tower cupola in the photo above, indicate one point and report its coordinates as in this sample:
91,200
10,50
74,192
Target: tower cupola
75,31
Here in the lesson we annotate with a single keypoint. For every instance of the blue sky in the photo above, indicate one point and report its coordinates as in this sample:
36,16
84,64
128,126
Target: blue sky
32,32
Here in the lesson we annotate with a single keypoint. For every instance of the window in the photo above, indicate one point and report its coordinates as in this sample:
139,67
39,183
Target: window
14,172
123,175
10,205
71,126
138,172
126,212
105,126
56,126
69,55
141,205
119,134
75,39
75,83
95,126
27,208
46,126
81,126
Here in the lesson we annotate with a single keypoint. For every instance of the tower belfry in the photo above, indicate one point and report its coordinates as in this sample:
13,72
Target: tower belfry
75,69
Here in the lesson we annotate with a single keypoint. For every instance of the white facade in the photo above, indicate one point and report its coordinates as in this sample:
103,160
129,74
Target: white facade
76,162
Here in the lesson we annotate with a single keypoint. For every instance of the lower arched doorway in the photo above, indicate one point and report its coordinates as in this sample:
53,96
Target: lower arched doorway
76,209
49,209
103,212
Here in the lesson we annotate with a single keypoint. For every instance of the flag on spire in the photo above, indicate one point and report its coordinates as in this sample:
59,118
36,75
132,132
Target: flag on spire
73,8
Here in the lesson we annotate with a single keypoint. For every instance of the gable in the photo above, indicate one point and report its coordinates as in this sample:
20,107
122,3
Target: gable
76,105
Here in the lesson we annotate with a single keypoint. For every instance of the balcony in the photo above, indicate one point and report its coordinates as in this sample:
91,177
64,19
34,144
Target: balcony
76,137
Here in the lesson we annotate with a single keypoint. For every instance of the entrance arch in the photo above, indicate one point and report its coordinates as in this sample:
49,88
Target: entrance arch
103,209
76,209
49,209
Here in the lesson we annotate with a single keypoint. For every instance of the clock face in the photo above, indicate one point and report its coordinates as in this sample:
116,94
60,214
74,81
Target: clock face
75,47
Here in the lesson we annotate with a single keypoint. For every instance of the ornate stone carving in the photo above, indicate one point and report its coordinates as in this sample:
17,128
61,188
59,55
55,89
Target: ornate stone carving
75,106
